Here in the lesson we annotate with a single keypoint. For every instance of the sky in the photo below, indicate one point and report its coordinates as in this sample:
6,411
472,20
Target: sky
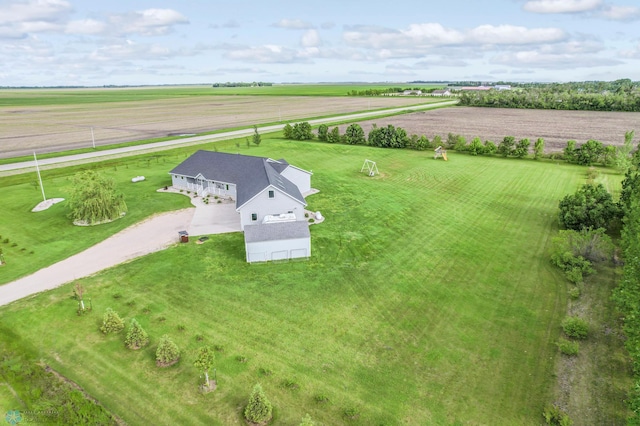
149,42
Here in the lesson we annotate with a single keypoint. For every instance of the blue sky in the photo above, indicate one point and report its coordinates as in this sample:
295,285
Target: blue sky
81,42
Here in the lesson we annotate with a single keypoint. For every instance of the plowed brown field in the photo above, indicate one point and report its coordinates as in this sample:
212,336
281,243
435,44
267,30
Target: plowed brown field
59,127
556,127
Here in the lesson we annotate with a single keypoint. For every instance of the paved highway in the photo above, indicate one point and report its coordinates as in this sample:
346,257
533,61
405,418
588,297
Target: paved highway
159,146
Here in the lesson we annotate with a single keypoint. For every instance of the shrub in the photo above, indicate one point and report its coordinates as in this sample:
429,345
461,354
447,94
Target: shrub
553,415
351,413
323,130
568,347
307,421
167,353
575,327
136,336
265,371
591,206
290,384
111,322
321,398
574,293
259,409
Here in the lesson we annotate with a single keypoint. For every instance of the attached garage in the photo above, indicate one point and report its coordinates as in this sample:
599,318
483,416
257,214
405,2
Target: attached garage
277,241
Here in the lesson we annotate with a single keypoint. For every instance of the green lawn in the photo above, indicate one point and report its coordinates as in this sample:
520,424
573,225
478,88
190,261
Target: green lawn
429,298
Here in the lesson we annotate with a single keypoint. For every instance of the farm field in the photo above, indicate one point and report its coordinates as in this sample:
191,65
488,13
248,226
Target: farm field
429,298
50,120
556,127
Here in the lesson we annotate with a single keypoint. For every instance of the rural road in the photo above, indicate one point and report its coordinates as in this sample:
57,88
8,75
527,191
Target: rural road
159,146
153,234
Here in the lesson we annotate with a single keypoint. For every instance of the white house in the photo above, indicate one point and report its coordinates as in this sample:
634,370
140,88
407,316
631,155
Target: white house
267,192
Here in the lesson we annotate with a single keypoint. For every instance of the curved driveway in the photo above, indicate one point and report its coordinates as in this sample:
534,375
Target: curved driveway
153,234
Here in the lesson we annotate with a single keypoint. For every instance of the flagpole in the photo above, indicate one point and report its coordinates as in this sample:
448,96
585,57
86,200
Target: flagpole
39,177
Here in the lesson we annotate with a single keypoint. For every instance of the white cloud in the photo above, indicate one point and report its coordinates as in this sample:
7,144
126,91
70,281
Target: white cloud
34,10
620,13
419,38
311,38
130,50
510,34
267,54
149,22
561,6
86,26
293,24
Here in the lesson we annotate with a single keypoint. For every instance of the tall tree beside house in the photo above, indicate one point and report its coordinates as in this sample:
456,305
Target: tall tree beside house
204,362
94,199
256,136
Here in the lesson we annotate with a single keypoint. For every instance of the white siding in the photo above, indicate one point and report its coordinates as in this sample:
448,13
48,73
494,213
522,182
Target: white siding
265,251
301,178
262,205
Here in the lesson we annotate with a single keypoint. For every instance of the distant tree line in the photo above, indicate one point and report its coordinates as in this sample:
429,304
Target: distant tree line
242,84
619,95
389,91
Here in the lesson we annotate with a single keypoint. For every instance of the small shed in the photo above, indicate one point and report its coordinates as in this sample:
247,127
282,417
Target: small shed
277,241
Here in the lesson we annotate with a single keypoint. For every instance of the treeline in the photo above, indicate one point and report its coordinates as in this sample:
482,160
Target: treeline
590,153
388,91
620,95
242,84
627,294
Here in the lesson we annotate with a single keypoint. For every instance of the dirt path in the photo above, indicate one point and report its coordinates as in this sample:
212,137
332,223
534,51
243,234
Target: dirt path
151,235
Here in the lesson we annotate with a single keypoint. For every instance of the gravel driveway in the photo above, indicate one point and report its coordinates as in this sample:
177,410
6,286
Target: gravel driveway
151,235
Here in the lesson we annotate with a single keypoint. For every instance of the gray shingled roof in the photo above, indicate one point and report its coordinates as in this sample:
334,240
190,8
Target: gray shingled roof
276,231
251,175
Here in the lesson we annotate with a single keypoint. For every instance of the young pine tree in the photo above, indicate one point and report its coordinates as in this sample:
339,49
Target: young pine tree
111,322
259,409
136,336
167,353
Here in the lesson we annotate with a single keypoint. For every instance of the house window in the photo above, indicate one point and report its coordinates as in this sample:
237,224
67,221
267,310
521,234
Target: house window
254,216
271,194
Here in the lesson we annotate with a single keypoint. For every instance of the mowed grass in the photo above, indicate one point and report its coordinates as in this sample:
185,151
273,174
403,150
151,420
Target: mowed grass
429,299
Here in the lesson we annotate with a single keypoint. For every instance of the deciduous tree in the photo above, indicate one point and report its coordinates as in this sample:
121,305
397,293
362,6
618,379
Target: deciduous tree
323,130
94,199
354,135
590,207
538,149
204,361
505,148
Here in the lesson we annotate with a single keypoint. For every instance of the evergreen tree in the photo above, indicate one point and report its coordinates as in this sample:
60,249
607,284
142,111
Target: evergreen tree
167,353
256,136
111,322
323,130
136,336
259,409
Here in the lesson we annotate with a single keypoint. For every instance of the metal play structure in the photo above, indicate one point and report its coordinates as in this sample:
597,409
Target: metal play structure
370,167
440,152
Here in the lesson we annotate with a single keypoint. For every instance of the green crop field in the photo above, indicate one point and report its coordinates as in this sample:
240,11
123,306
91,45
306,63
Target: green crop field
429,297
32,97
